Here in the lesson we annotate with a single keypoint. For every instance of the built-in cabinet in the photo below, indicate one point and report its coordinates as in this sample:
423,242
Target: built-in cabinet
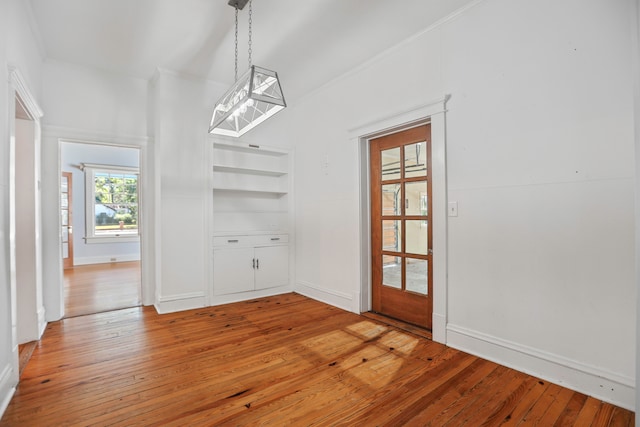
250,221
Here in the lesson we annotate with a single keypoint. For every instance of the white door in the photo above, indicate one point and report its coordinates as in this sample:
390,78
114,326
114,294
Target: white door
272,266
232,270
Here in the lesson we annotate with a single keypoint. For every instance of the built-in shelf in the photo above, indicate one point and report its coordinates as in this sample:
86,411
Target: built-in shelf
250,148
250,190
246,170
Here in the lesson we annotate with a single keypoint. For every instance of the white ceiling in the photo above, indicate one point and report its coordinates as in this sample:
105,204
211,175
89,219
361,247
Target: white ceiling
308,42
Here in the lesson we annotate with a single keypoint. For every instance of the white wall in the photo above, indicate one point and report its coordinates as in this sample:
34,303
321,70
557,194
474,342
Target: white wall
19,49
72,155
540,161
181,109
89,105
636,73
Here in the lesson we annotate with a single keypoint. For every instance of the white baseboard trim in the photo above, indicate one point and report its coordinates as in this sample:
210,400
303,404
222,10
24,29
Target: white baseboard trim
180,302
338,299
105,259
246,296
7,387
607,386
42,321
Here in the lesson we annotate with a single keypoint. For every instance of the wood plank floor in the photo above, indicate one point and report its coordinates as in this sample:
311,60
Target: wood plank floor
284,360
95,288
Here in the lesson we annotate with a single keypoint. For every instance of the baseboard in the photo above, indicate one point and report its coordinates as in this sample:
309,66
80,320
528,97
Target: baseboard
7,387
607,386
338,299
105,259
42,321
245,296
180,302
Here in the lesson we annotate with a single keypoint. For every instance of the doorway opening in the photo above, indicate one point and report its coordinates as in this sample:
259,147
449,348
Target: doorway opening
100,205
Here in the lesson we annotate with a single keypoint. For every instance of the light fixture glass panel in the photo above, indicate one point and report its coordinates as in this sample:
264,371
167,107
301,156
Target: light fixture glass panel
255,96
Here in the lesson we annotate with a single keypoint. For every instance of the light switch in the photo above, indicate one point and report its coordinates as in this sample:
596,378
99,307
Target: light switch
453,208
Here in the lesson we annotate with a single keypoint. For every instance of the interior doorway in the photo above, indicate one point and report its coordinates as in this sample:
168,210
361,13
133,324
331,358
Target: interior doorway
401,225
100,188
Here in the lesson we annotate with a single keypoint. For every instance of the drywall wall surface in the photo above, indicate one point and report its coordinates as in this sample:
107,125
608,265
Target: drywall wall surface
539,136
82,98
73,155
181,109
541,254
8,379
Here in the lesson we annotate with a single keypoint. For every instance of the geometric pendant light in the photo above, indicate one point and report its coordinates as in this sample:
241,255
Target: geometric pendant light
253,98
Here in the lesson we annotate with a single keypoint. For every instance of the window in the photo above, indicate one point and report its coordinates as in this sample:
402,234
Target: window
111,210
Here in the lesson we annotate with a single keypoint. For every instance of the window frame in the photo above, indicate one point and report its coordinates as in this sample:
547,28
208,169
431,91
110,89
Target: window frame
90,171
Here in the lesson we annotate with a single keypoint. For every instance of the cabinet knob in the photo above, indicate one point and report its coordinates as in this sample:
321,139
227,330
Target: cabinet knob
233,241
275,239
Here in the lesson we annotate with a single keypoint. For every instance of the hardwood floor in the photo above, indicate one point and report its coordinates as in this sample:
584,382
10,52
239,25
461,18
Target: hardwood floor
284,360
95,288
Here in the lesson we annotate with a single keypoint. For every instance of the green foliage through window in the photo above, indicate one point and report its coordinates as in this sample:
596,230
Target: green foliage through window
116,203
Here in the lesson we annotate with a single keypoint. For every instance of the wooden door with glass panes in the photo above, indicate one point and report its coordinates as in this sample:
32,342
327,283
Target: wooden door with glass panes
65,220
401,224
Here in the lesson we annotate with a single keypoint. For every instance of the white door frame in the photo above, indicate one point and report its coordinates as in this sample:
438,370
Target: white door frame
434,113
18,88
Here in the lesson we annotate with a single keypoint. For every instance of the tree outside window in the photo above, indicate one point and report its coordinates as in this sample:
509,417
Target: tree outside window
112,203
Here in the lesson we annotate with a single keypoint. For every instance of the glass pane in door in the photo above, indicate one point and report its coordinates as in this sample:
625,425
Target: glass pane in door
417,275
391,200
417,235
415,194
390,160
415,160
392,235
392,271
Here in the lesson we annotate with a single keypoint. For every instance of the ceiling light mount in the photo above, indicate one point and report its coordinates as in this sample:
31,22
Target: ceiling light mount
238,4
253,98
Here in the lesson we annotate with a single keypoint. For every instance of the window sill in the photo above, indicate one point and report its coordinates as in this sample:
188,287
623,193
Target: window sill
112,239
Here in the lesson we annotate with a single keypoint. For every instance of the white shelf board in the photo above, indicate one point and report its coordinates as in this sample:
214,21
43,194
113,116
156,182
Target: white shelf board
250,148
250,190
251,171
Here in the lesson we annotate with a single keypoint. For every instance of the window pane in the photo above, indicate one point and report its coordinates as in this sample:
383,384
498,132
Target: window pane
115,204
415,160
64,200
417,237
391,199
415,194
417,275
392,271
391,236
390,167
64,184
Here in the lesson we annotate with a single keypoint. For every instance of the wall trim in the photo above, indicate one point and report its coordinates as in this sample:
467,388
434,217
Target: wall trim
433,112
338,299
601,384
7,387
106,259
181,302
42,321
71,134
247,296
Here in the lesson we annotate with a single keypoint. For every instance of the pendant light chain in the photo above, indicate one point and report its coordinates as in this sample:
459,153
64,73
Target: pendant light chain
250,22
236,74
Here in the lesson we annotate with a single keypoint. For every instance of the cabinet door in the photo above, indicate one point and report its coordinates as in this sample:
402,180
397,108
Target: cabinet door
232,270
272,268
